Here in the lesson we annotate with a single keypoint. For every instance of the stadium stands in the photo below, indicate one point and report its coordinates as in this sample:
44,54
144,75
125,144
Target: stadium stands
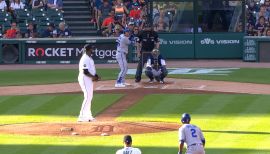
257,17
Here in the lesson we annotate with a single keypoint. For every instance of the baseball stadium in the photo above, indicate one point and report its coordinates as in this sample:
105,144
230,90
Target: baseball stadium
207,67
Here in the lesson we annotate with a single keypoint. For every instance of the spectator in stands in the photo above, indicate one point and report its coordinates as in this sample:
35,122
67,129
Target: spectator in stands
97,4
117,31
48,33
16,4
103,12
108,23
161,22
136,31
36,4
260,26
263,13
3,5
120,9
31,31
63,31
131,26
135,13
13,32
268,32
55,4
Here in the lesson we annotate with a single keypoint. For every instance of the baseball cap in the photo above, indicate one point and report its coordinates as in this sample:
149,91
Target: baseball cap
89,46
131,23
127,139
126,30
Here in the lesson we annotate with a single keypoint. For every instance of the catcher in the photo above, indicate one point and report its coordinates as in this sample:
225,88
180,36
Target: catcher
156,67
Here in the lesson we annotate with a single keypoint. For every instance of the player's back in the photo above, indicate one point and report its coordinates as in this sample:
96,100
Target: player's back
191,134
129,150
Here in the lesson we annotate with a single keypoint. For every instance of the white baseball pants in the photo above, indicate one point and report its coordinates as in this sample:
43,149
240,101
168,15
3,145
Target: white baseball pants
86,84
122,61
195,149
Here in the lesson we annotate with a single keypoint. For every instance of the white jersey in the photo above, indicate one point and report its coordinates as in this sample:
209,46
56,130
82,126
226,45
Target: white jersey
129,150
87,62
122,44
190,134
3,5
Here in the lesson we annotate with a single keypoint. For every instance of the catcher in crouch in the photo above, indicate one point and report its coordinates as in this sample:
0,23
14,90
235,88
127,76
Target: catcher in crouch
156,67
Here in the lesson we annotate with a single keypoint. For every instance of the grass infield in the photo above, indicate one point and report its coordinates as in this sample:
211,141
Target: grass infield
237,124
30,77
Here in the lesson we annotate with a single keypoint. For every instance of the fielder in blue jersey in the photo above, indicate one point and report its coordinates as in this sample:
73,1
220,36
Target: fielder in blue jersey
123,41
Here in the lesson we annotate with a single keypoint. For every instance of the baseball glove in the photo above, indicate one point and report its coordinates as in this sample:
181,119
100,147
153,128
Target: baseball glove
96,78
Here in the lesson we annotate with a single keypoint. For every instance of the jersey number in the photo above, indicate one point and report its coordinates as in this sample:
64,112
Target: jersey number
193,132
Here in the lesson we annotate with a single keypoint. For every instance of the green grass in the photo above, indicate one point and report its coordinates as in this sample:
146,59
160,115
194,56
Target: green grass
49,108
250,75
30,77
237,124
228,121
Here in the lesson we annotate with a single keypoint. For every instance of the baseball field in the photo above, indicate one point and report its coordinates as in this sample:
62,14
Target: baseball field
39,109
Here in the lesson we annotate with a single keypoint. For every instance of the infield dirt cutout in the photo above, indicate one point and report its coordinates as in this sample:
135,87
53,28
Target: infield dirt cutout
105,122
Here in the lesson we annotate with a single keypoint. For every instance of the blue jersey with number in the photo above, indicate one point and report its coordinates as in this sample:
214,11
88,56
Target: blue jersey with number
190,134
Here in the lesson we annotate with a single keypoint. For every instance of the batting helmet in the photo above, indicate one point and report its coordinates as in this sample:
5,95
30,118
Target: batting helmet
126,30
185,118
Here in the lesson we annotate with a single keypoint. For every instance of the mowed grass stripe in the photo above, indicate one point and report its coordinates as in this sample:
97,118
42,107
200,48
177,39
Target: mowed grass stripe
24,107
249,125
41,108
11,102
51,106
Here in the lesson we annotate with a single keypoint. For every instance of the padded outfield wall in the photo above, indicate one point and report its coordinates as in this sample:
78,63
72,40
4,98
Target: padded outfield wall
68,51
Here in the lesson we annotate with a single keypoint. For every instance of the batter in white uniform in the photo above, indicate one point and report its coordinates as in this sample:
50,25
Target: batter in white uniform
123,42
192,135
87,74
128,149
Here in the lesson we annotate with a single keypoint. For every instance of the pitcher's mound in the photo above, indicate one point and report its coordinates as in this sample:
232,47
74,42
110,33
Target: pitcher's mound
89,128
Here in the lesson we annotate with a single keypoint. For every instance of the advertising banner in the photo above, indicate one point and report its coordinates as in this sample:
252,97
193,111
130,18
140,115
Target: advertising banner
175,46
67,53
223,45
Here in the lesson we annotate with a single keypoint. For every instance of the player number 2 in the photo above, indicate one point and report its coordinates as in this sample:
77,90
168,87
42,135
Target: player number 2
193,132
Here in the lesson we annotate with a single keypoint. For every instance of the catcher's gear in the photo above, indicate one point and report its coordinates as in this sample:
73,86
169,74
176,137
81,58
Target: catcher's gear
185,118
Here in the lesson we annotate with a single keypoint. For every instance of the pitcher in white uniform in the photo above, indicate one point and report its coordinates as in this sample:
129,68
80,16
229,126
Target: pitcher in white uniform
128,149
192,136
123,42
87,74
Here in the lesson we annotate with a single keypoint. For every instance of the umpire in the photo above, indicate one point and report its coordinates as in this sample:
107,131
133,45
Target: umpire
147,40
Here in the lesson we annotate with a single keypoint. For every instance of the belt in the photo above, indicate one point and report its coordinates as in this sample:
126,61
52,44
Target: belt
121,52
194,144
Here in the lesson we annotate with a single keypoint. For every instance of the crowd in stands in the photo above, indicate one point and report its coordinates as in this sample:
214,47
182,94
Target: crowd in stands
257,18
112,16
32,18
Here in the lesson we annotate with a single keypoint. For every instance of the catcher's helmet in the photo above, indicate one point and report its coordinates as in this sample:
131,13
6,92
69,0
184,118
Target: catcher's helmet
185,118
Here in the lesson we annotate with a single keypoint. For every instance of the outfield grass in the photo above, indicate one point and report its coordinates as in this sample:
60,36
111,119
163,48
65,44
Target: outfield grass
49,108
30,77
237,124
